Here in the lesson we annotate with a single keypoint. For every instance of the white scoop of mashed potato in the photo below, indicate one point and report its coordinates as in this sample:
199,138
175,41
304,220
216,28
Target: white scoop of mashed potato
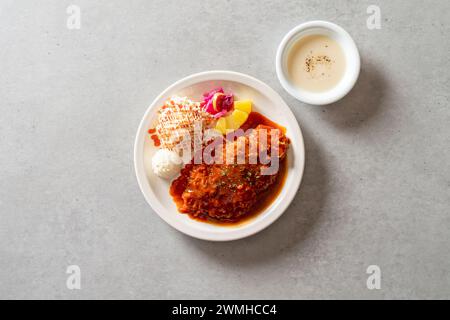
166,163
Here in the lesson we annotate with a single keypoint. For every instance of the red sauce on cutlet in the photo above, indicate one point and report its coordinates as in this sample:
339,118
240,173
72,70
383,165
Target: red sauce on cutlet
255,118
264,200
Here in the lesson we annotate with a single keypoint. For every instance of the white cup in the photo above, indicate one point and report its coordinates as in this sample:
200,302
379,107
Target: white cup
338,34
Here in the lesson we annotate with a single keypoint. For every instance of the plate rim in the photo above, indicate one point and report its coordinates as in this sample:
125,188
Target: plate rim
232,234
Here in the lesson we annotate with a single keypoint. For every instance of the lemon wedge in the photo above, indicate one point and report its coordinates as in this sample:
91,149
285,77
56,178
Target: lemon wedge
221,126
243,105
236,119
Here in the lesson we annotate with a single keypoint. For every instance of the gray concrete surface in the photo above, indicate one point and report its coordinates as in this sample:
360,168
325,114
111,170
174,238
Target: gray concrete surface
376,185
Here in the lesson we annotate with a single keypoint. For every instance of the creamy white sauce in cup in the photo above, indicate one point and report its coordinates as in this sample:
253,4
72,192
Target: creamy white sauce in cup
318,63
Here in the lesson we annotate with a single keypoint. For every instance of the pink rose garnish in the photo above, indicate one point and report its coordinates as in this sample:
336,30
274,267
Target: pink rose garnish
218,103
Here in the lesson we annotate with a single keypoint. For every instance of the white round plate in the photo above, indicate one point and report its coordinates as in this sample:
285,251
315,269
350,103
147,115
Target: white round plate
267,102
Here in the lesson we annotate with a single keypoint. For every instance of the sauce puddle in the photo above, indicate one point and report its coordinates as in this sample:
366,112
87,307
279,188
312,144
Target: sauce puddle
269,195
